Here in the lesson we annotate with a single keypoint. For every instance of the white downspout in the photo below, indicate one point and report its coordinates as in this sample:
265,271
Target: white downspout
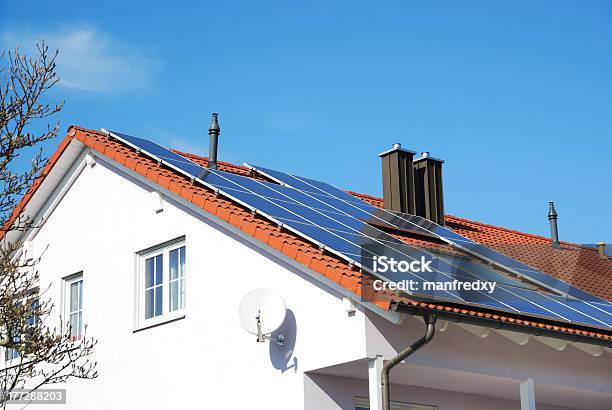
527,395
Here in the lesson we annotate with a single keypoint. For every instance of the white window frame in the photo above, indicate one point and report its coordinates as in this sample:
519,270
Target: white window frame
164,249
68,281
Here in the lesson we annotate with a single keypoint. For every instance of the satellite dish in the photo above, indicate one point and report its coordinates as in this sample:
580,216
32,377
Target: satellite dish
261,312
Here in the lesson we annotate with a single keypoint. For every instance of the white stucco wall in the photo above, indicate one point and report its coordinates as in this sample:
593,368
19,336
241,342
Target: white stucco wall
205,360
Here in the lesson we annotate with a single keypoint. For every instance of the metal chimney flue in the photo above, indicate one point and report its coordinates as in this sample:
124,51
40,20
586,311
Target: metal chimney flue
398,179
213,131
429,193
554,231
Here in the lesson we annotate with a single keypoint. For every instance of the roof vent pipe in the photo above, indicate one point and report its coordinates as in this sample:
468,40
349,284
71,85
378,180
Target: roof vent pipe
213,131
554,232
601,247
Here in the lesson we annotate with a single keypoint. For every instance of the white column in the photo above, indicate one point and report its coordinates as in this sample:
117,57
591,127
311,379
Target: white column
527,395
374,372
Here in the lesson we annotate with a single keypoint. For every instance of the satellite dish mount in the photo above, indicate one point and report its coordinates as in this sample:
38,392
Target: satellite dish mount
261,337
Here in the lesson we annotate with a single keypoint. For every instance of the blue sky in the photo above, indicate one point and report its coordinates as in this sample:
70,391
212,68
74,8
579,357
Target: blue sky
515,96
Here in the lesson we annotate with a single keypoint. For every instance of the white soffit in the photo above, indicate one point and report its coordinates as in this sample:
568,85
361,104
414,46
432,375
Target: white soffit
516,337
556,344
479,331
523,338
50,183
590,349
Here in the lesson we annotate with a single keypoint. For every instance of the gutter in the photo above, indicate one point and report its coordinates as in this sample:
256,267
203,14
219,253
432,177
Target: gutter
430,320
496,324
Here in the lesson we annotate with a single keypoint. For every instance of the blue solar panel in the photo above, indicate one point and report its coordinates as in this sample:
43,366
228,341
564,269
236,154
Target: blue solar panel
336,235
418,224
157,151
306,184
573,310
339,227
601,307
475,269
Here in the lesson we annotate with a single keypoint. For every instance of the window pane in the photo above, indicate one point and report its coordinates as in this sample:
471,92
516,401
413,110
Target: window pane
81,294
181,303
80,324
174,298
149,303
74,296
149,271
174,264
159,269
33,319
74,324
11,354
158,300
182,264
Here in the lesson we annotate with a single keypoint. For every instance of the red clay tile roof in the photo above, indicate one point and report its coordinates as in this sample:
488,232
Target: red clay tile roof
591,274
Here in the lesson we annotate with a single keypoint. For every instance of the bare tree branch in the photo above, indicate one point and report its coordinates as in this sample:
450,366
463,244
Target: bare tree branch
41,354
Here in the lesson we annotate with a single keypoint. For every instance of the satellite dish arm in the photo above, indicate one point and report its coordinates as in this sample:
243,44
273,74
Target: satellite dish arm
260,337
280,339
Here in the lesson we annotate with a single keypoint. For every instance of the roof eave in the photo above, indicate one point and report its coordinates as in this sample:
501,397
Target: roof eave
458,317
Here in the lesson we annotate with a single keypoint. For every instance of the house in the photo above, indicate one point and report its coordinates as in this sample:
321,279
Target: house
157,265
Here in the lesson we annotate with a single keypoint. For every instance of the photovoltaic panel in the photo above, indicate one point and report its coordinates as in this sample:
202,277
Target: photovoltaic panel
418,224
520,303
158,151
602,306
321,218
475,269
365,236
306,184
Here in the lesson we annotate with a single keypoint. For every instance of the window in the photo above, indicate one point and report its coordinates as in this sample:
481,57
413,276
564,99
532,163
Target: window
363,403
161,283
13,353
74,305
31,321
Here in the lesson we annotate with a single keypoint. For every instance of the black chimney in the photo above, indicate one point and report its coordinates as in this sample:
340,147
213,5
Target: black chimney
398,179
554,232
429,195
213,131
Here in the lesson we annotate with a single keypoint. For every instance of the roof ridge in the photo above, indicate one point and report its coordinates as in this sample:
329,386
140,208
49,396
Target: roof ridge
73,128
372,198
514,231
202,158
369,197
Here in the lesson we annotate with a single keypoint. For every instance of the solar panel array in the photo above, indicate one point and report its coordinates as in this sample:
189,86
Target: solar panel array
418,224
338,223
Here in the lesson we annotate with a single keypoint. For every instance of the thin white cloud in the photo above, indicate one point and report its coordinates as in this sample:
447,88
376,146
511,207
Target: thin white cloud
90,60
